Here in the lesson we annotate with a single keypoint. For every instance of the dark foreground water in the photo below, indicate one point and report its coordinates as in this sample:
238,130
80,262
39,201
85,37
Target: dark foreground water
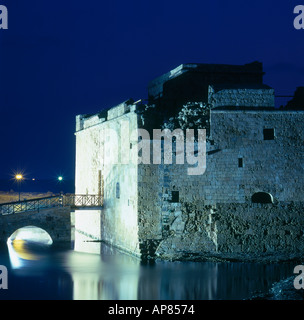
38,272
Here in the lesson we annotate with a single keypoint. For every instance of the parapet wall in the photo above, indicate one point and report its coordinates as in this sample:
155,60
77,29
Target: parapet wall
90,120
241,97
205,74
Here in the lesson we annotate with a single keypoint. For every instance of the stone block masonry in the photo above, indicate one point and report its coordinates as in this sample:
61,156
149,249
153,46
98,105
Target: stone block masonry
214,213
241,97
273,166
261,228
99,171
161,211
56,222
248,204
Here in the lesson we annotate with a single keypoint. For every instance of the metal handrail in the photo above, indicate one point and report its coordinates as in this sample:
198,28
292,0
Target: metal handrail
68,200
76,200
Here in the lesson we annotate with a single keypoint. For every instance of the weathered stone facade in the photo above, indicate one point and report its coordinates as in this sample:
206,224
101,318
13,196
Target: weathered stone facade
241,97
109,172
249,201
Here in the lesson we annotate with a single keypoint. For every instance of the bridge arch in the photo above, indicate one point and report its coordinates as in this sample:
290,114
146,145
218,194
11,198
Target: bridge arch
55,221
14,231
32,234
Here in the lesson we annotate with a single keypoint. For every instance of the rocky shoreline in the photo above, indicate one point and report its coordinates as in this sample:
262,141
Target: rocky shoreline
295,258
282,290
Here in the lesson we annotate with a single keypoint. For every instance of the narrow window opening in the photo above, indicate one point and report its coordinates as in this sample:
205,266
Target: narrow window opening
268,134
117,190
240,162
175,196
99,183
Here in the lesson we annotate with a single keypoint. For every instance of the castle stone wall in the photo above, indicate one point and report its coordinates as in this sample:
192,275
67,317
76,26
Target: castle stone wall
182,215
102,167
160,210
272,166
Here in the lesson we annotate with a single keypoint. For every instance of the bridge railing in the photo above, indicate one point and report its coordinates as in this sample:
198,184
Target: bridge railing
31,205
71,200
76,200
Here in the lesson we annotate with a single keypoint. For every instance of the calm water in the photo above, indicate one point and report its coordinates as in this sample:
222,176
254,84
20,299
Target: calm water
40,272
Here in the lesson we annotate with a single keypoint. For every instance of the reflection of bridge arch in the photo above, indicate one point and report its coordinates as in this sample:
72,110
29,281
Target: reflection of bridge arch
32,234
55,221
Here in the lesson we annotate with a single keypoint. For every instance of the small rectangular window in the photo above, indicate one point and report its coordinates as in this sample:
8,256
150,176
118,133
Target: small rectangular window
175,196
240,162
268,134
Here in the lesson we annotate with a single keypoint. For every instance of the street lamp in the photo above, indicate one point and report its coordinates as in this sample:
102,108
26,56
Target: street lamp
60,181
19,178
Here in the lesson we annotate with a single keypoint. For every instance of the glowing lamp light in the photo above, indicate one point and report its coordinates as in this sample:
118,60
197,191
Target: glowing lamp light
60,178
19,178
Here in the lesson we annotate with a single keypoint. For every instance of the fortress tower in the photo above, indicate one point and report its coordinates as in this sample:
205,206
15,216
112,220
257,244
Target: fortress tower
247,204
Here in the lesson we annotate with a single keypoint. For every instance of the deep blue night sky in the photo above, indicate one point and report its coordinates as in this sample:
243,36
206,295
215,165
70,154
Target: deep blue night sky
63,58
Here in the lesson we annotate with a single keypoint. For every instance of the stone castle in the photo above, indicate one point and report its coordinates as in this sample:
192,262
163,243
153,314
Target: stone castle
249,201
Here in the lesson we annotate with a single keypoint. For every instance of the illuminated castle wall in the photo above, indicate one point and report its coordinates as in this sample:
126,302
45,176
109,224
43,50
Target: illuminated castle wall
248,202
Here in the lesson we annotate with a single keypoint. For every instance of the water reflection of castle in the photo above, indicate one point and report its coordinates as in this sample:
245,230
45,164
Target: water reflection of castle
116,276
193,281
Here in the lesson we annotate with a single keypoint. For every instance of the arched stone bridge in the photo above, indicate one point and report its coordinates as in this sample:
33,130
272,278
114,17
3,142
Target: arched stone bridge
52,214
